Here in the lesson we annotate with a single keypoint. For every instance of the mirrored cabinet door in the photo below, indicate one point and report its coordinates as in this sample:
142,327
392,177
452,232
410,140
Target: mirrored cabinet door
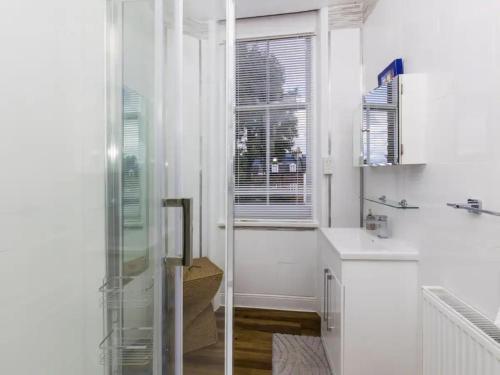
390,128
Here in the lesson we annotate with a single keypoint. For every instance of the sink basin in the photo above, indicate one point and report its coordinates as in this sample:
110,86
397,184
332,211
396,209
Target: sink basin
359,244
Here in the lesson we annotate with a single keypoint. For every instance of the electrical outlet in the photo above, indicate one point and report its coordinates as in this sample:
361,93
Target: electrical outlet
327,165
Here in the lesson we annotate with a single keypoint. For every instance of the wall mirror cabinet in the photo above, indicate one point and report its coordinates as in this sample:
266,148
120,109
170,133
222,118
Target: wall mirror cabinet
390,128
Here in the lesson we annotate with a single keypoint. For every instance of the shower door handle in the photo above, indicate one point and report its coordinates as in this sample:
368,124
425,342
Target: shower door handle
187,231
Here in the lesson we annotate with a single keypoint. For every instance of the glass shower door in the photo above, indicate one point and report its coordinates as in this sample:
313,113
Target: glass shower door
138,291
167,311
196,128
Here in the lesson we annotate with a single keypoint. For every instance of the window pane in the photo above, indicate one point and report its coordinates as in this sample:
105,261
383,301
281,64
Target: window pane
288,146
251,73
272,167
289,62
251,157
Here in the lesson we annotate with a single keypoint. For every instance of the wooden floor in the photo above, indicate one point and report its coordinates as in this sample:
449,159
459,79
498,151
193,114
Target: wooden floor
253,333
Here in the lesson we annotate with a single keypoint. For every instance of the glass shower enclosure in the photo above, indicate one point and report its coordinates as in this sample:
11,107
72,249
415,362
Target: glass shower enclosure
167,295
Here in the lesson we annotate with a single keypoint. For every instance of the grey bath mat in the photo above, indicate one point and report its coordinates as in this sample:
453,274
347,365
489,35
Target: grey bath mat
299,355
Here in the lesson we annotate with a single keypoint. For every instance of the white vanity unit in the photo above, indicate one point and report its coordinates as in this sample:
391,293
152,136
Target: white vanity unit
369,306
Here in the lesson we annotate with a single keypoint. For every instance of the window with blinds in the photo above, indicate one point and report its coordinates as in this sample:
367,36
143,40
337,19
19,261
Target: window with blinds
273,180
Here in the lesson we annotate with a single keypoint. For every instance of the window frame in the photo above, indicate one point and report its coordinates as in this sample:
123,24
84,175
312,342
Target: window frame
310,107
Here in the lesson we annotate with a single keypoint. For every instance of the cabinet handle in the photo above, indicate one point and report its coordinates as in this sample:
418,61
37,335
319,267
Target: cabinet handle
325,294
329,278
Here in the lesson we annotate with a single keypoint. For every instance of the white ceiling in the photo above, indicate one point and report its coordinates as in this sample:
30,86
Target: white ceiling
343,13
254,8
352,13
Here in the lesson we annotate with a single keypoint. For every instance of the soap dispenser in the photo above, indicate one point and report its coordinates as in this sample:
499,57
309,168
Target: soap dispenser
370,221
382,226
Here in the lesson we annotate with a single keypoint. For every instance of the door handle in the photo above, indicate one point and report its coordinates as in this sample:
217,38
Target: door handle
187,231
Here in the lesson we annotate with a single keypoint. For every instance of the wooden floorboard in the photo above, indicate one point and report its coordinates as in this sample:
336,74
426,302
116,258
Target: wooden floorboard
253,333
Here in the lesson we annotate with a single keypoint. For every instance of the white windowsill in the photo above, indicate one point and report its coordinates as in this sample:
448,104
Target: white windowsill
272,224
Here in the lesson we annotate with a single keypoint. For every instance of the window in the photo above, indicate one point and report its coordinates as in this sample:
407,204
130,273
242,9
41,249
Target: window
273,179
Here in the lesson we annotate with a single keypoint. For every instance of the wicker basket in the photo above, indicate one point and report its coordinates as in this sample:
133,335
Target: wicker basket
201,282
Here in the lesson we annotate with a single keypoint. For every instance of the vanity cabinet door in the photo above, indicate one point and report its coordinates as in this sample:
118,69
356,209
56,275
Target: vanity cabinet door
331,297
338,325
335,321
332,319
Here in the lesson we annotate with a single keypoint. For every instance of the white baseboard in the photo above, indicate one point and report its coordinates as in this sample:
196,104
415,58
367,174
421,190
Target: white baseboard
274,302
217,302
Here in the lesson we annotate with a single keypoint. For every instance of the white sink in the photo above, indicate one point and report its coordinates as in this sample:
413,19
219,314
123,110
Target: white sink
359,244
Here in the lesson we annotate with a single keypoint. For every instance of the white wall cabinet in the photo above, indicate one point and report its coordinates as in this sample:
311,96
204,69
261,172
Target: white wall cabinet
368,292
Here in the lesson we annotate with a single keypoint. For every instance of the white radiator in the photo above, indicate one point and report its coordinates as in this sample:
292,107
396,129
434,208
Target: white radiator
457,339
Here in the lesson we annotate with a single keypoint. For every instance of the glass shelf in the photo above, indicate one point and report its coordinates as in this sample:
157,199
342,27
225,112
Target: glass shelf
402,204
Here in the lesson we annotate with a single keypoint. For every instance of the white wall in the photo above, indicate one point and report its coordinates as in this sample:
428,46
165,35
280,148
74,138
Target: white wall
277,268
214,138
455,42
52,201
345,71
191,162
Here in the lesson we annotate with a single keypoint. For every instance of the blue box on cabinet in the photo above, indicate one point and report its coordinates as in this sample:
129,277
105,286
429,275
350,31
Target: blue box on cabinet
393,69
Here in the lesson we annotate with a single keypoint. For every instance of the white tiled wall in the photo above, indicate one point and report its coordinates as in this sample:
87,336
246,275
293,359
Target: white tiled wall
457,43
52,190
275,268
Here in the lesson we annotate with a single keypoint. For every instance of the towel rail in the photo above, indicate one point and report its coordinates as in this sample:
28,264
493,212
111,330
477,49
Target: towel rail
473,206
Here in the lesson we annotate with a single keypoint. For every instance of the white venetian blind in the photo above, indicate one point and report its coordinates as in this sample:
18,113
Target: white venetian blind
273,179
133,176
